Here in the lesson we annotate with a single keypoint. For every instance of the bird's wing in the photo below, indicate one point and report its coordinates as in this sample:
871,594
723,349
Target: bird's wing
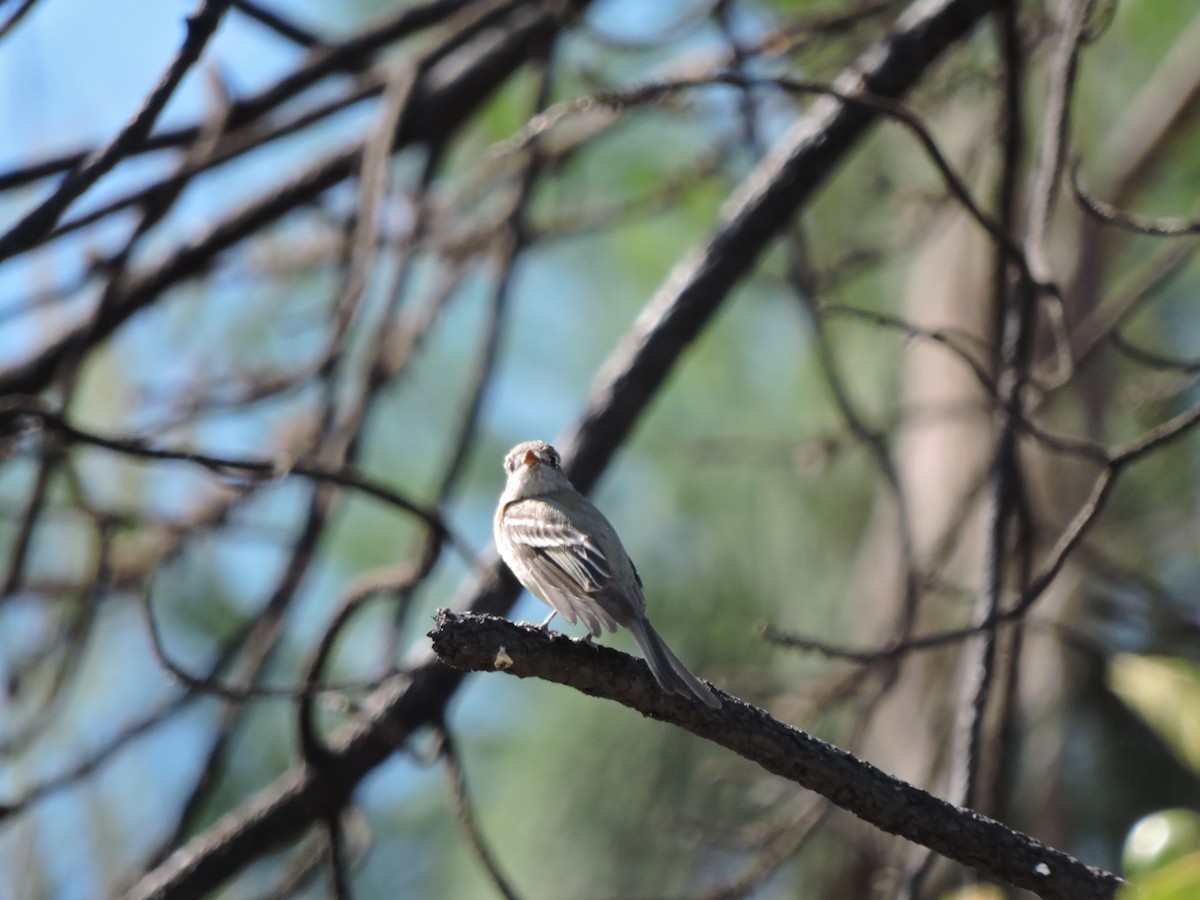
552,541
562,564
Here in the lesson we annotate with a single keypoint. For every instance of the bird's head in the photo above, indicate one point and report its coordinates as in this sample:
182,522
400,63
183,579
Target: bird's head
533,468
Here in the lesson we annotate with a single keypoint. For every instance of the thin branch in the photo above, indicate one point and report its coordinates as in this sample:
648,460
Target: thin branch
1131,222
1009,508
858,96
350,55
457,780
689,298
29,408
241,692
285,28
1085,517
201,25
438,108
1153,360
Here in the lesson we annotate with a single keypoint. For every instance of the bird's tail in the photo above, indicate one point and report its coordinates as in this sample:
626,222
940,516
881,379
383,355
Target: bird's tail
668,671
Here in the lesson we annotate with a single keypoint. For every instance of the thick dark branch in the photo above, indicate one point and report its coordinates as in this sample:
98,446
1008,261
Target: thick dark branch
753,218
304,795
485,644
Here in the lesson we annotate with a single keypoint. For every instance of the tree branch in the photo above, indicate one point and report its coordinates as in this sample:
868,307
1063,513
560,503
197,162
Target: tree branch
441,102
485,643
26,233
687,301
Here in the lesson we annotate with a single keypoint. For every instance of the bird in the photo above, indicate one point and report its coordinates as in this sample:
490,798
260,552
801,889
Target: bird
567,554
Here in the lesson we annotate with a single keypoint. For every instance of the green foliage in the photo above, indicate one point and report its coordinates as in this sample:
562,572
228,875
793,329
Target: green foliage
1166,693
1162,856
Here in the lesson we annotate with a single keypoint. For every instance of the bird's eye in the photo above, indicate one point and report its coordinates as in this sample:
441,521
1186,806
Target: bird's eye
553,459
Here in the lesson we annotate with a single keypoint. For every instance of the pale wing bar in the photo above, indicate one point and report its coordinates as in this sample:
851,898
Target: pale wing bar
569,547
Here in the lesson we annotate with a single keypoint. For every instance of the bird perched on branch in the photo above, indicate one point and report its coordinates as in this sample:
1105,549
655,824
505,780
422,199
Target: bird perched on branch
567,554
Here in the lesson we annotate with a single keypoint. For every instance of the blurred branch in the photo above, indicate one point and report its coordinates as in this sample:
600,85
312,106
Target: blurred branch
18,408
860,96
1116,461
485,643
757,213
86,766
18,14
1008,543
348,55
776,847
336,845
298,35
1132,222
691,295
201,25
448,752
438,106
1153,360
342,417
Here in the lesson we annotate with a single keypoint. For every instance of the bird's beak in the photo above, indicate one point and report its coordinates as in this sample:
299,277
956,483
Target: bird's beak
531,459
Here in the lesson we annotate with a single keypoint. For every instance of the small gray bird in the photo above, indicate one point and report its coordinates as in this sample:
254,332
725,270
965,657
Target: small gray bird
567,554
